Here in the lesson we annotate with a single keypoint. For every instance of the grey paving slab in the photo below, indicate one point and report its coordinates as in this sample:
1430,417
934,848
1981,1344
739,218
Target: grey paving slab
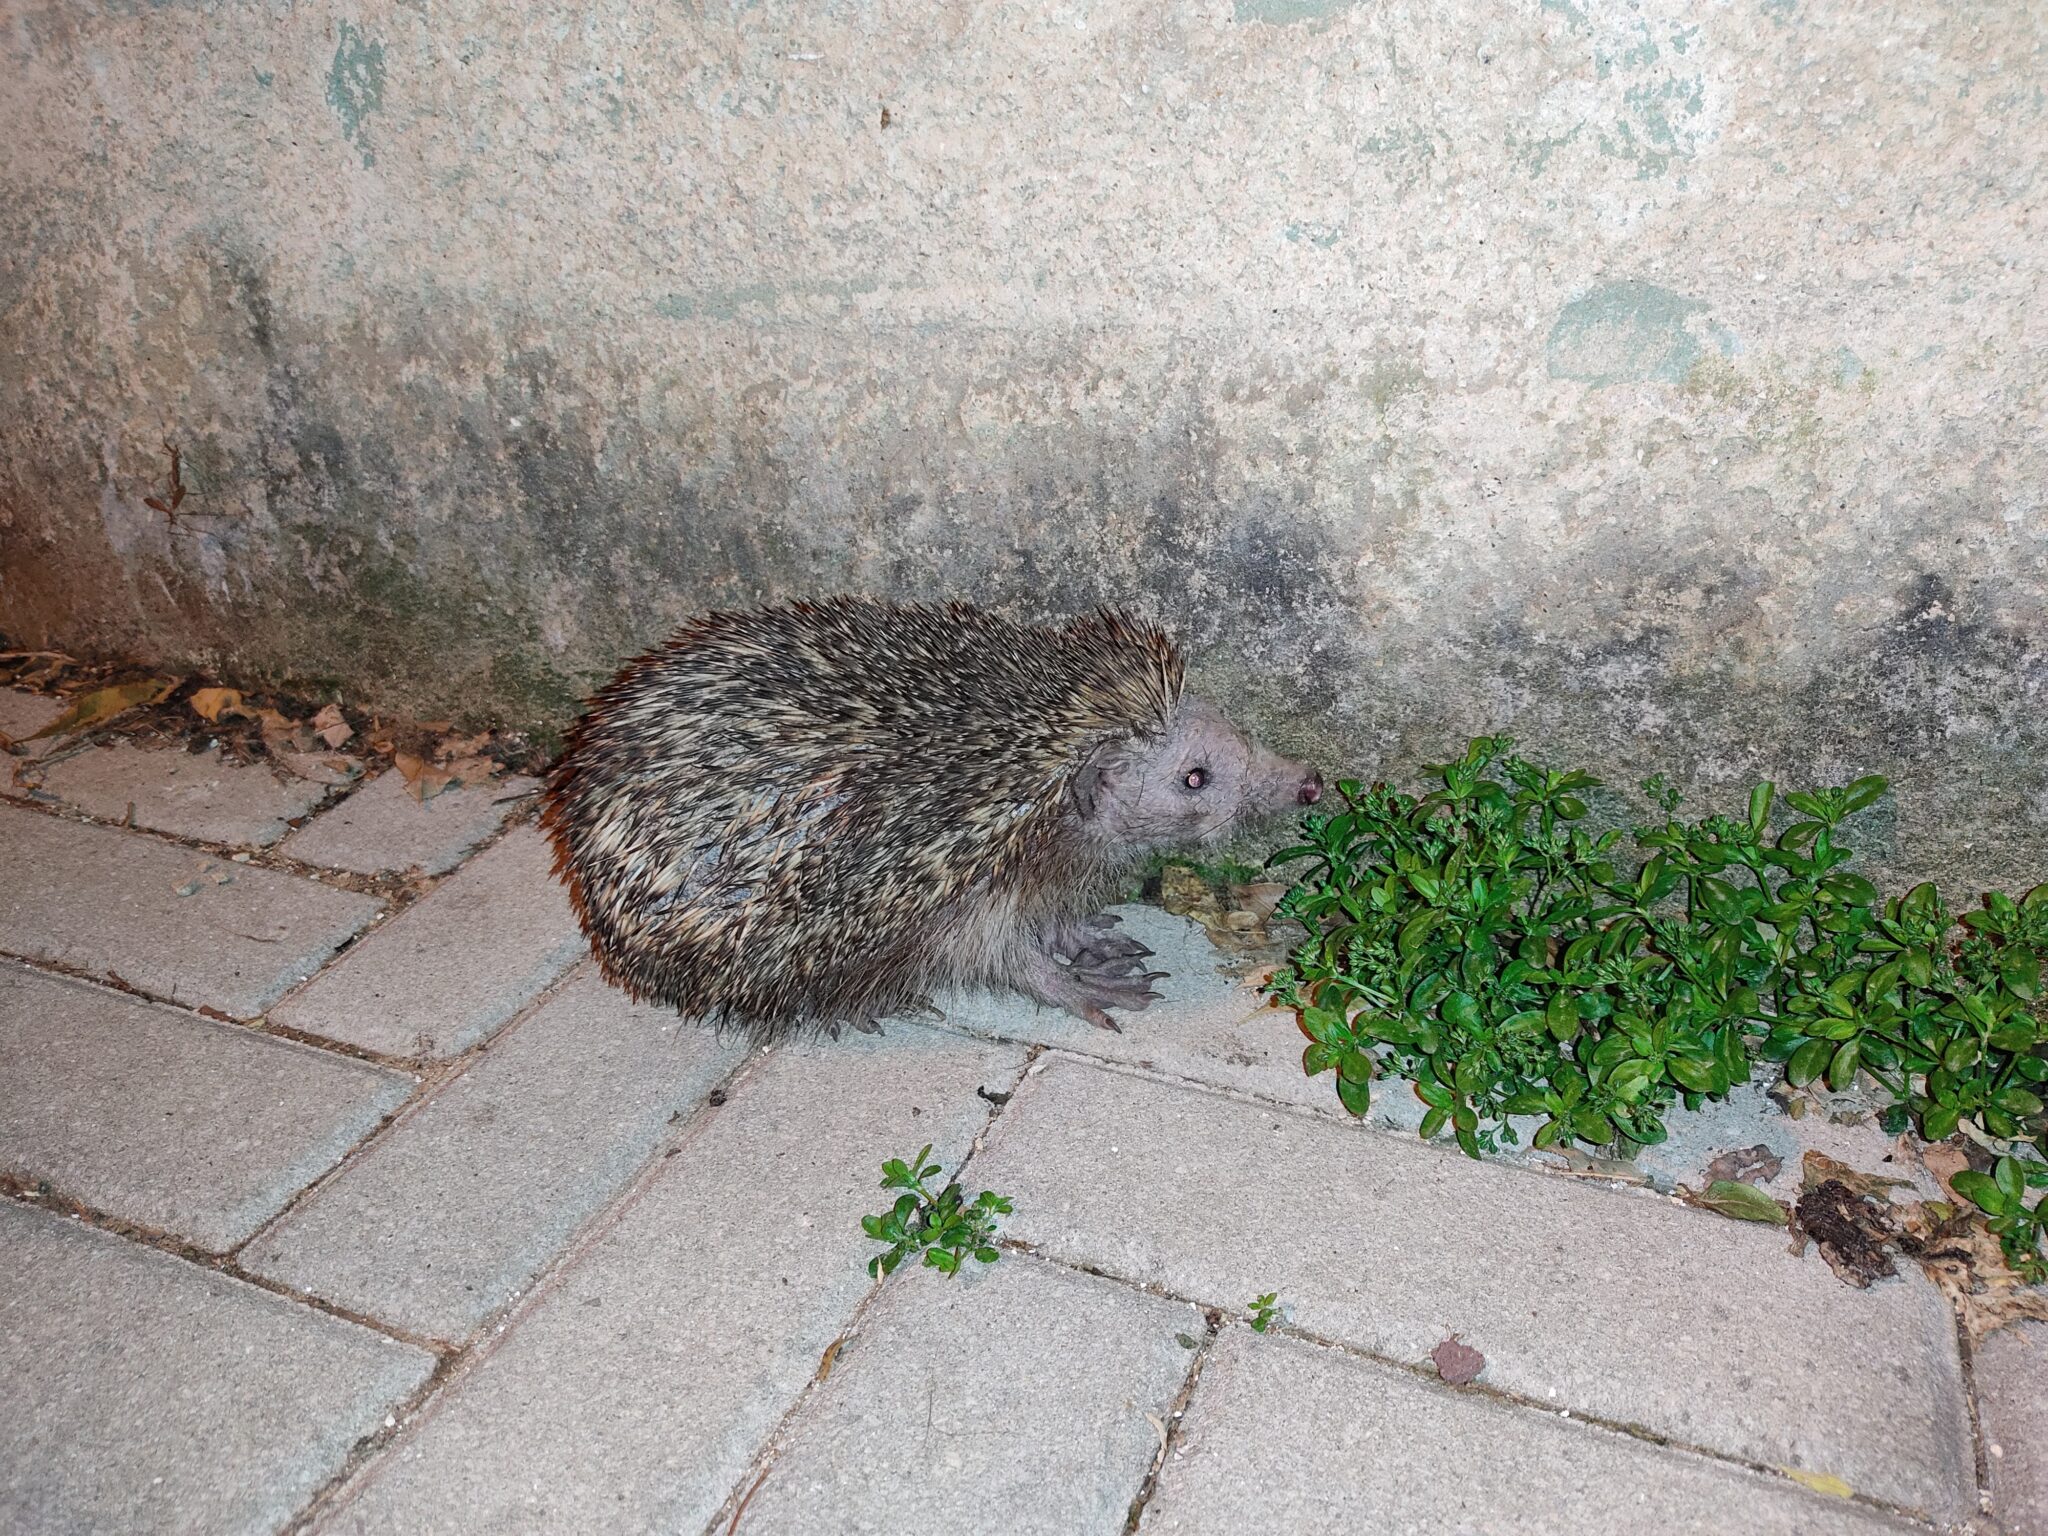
188,794
1206,1026
1013,1399
196,929
1620,1304
381,829
2011,1371
22,714
456,1210
1286,1436
141,1393
455,966
200,1129
638,1387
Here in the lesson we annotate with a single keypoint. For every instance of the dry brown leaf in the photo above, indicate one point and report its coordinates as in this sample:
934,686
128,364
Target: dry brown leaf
473,770
103,704
1855,1232
320,767
423,780
330,727
211,703
830,1358
1961,1256
1457,1362
1944,1160
1817,1168
451,747
1749,1165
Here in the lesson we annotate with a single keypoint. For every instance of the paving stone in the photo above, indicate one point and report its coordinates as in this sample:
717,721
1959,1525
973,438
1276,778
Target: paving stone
108,902
22,714
459,1207
1620,1304
1285,1436
1206,1026
139,1392
636,1390
454,967
199,1129
2012,1405
381,829
188,794
1012,1399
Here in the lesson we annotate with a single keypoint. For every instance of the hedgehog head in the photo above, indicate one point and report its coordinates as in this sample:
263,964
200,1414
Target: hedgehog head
1196,780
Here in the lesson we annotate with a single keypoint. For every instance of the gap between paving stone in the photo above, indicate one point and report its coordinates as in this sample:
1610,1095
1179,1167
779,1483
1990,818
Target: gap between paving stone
152,1115
482,1180
141,1392
1618,1305
196,795
1019,1398
637,1383
1286,1436
454,966
184,926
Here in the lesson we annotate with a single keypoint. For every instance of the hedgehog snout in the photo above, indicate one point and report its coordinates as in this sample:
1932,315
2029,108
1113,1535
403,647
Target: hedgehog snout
1311,788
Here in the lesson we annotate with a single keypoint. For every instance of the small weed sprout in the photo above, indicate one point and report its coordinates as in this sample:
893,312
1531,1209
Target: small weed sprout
945,1227
1510,963
1265,1311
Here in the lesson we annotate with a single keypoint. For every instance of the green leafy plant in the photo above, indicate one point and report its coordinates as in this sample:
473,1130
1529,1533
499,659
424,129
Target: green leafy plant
945,1227
1480,942
1265,1311
2001,1196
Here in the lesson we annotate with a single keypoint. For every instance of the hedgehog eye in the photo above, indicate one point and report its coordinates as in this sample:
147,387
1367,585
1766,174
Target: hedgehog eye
1195,778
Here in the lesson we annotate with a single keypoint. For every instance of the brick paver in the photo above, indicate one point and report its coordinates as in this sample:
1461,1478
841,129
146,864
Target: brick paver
1618,1304
180,924
188,794
447,972
381,829
639,1387
139,1392
1285,1436
199,1129
2012,1402
1011,1400
507,1160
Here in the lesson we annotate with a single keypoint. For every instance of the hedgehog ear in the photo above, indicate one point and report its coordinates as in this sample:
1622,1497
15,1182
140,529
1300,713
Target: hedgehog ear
1095,778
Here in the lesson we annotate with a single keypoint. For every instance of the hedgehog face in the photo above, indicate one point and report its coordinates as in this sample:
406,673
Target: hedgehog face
1196,783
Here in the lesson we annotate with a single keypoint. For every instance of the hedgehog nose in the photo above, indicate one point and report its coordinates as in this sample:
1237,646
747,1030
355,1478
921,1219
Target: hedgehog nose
1311,789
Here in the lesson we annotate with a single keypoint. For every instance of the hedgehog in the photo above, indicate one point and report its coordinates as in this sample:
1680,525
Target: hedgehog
812,816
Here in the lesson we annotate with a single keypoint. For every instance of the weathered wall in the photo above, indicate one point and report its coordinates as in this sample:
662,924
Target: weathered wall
1663,381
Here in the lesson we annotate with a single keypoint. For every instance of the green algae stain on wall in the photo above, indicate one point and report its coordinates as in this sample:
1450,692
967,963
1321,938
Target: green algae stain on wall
1623,333
355,87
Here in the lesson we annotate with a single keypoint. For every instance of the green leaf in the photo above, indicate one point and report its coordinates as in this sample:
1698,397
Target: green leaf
1842,1068
1981,1191
2005,1173
1760,805
1355,1093
2020,969
2017,1101
1696,1075
1808,1061
1744,1202
1461,1009
1938,1121
1863,792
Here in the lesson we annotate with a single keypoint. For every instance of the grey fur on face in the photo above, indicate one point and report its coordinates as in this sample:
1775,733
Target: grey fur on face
811,816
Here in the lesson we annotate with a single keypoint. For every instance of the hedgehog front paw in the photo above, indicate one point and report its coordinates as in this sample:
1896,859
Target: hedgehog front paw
1089,941
1089,991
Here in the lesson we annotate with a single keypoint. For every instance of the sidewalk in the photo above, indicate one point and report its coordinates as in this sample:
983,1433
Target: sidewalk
332,1207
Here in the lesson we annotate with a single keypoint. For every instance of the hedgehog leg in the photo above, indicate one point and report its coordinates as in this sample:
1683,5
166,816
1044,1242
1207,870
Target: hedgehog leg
1082,991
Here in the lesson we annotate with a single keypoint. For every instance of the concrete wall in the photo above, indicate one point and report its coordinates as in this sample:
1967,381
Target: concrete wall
1662,381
